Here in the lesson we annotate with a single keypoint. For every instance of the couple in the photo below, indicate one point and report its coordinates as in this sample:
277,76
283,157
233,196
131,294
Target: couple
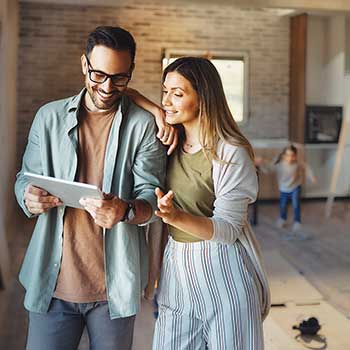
87,268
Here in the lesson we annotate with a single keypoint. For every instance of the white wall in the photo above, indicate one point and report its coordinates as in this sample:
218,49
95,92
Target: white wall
335,61
325,61
315,59
327,84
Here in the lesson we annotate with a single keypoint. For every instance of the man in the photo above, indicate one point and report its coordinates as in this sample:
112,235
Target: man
87,267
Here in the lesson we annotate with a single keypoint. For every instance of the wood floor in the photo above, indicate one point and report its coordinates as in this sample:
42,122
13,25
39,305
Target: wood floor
322,260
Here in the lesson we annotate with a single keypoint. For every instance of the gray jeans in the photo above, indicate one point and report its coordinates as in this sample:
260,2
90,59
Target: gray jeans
62,326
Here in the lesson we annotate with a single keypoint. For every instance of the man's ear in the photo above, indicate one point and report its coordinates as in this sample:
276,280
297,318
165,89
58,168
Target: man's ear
132,68
84,64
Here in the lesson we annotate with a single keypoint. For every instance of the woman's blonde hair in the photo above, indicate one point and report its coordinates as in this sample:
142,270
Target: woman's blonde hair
216,120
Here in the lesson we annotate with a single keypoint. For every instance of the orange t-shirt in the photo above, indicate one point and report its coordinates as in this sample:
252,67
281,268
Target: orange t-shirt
82,275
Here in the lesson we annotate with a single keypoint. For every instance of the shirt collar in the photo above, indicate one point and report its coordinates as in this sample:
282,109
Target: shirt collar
75,101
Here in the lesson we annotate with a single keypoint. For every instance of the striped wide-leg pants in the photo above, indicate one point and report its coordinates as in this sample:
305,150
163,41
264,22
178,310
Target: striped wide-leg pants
209,298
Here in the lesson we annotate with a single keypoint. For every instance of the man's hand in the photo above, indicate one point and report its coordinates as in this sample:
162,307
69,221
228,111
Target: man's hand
166,211
106,212
38,201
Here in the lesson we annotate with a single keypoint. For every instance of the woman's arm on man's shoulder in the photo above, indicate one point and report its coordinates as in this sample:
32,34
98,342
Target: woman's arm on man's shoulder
167,134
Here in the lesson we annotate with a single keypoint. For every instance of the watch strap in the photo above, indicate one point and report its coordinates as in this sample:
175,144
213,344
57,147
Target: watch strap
127,211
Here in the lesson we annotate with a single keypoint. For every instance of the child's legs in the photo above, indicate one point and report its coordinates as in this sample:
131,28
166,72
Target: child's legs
296,203
283,205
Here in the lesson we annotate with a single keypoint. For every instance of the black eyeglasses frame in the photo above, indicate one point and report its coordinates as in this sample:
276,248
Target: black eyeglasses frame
111,76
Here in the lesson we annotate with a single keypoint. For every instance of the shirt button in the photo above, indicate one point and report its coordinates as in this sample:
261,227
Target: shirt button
56,265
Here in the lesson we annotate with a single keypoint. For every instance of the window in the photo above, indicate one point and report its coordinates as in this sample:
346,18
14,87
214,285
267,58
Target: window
233,70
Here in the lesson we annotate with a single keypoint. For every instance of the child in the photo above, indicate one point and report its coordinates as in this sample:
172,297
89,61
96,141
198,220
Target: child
290,172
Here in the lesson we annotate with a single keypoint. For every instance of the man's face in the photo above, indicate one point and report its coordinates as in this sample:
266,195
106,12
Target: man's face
105,95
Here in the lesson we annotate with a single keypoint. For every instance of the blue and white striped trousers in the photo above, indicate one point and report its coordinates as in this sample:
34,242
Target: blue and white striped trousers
209,298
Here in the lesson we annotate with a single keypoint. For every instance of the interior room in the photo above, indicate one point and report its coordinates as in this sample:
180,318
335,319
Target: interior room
285,68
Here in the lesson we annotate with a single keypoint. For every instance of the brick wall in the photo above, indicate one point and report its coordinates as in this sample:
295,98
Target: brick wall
52,38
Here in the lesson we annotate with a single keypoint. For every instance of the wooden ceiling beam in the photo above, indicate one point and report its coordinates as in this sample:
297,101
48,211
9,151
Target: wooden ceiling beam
300,5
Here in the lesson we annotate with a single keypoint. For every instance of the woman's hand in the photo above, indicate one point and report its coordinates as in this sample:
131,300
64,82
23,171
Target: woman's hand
167,212
166,133
198,226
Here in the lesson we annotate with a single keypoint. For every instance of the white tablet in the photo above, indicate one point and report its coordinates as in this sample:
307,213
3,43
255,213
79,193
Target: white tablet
68,192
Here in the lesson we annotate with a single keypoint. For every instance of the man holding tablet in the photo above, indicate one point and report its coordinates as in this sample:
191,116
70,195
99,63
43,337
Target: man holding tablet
87,267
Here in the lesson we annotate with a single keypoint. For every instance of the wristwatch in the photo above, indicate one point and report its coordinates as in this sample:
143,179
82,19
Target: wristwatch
130,212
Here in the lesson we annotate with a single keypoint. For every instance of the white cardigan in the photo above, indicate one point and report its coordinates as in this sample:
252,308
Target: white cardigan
235,186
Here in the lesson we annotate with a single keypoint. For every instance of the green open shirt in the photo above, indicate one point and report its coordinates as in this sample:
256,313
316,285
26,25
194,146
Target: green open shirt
134,166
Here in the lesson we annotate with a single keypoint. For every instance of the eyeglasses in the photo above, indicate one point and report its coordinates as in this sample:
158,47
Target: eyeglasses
100,77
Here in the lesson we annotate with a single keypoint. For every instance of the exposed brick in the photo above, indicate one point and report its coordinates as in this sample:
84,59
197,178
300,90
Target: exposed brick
52,38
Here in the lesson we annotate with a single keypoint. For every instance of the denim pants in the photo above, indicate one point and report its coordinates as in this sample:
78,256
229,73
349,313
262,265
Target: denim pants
294,196
62,326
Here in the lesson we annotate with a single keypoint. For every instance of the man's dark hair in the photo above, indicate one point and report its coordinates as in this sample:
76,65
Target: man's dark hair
115,38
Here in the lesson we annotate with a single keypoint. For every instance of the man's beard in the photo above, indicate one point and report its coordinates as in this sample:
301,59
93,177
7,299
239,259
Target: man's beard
109,103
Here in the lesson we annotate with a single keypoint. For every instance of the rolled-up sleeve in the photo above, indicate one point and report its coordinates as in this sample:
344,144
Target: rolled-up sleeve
149,169
31,163
236,186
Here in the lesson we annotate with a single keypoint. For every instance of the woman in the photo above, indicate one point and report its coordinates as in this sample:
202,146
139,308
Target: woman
213,292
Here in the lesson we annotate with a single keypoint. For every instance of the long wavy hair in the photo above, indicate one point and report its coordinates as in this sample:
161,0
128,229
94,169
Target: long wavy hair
216,120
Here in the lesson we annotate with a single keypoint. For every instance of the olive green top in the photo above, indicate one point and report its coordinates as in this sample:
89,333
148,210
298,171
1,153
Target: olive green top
189,176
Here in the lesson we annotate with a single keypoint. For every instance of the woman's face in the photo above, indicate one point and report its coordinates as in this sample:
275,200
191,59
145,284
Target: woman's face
180,101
